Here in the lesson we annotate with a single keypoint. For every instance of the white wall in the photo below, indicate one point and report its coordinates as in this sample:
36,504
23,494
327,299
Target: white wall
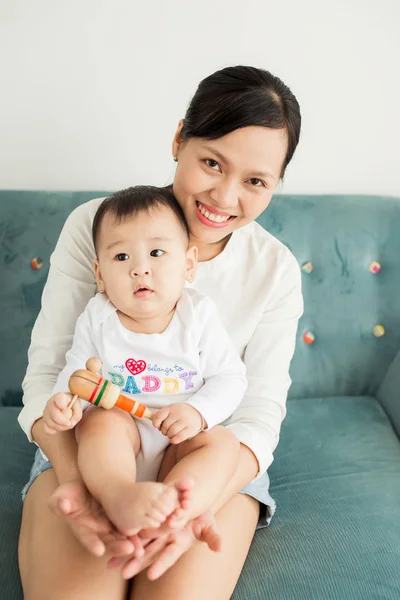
91,90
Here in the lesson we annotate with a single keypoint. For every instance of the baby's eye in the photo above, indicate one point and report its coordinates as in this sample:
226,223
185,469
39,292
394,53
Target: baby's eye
157,252
122,256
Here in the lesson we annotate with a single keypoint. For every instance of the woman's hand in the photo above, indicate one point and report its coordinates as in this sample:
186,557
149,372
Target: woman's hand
167,546
89,523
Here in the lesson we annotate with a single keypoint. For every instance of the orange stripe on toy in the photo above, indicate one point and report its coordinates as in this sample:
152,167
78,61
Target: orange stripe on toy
140,411
124,403
135,408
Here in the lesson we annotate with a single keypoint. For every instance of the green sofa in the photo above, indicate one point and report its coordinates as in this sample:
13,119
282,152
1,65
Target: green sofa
336,475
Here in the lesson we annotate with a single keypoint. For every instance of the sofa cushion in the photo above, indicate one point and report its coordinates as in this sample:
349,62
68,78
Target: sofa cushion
336,533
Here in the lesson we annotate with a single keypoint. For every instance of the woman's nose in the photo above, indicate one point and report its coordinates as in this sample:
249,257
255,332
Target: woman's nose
225,195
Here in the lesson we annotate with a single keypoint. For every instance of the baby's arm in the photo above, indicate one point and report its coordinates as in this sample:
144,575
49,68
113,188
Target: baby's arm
224,382
223,370
58,416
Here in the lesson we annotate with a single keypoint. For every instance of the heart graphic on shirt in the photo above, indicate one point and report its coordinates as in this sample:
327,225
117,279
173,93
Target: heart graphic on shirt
135,366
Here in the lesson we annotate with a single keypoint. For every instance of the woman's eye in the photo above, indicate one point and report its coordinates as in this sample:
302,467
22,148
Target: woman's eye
157,252
122,256
210,162
257,182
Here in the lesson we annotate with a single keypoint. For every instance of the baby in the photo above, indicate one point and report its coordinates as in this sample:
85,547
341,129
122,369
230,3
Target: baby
164,345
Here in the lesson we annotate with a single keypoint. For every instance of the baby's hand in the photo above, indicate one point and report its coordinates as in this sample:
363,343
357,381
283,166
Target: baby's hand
57,417
178,421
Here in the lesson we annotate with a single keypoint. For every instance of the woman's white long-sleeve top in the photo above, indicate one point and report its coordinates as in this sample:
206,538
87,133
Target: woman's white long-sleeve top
255,283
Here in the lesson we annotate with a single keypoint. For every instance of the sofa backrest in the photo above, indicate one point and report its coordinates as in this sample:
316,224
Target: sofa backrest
340,235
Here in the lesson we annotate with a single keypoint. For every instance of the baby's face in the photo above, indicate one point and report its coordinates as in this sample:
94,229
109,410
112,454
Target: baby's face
143,262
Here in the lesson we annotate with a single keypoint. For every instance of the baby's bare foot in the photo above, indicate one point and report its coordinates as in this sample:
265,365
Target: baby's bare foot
140,505
181,514
184,486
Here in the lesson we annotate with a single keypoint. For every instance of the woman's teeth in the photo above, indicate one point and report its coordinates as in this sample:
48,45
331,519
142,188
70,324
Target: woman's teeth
212,216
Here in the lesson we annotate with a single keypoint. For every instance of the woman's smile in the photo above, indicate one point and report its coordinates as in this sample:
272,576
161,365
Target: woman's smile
212,217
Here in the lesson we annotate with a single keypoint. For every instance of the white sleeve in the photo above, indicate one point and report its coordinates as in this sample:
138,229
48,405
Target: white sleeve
223,371
70,285
83,347
267,357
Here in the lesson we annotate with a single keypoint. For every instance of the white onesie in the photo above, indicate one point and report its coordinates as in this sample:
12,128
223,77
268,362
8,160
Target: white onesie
192,361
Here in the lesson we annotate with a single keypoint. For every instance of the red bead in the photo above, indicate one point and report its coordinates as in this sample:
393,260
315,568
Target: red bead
374,267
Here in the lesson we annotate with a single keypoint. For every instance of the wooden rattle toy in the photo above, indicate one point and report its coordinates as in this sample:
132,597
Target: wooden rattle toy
89,385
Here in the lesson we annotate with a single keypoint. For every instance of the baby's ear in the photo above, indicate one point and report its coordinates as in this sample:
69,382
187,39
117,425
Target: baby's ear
191,263
97,274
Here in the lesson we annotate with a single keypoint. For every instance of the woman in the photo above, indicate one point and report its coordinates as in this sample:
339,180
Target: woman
231,149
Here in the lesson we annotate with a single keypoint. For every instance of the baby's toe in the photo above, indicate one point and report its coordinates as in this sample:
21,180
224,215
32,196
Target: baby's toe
156,515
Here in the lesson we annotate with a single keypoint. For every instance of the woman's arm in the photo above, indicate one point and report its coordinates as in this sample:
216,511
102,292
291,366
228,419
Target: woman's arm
222,369
267,357
69,287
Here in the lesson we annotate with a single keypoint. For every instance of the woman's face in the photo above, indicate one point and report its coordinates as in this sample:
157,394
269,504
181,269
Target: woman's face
226,183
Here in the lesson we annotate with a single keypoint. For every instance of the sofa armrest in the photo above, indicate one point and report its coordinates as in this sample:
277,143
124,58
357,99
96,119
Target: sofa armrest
389,394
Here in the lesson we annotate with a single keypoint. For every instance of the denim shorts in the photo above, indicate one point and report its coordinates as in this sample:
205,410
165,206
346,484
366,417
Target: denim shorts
258,489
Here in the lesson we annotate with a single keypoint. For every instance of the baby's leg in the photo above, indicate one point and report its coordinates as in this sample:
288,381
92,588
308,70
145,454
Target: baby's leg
210,459
108,443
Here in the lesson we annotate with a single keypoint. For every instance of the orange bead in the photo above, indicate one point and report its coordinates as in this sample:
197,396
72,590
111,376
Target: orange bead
309,337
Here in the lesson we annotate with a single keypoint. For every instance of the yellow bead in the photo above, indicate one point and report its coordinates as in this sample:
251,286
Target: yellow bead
378,330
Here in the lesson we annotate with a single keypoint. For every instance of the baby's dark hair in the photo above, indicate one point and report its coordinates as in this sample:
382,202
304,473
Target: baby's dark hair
135,200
